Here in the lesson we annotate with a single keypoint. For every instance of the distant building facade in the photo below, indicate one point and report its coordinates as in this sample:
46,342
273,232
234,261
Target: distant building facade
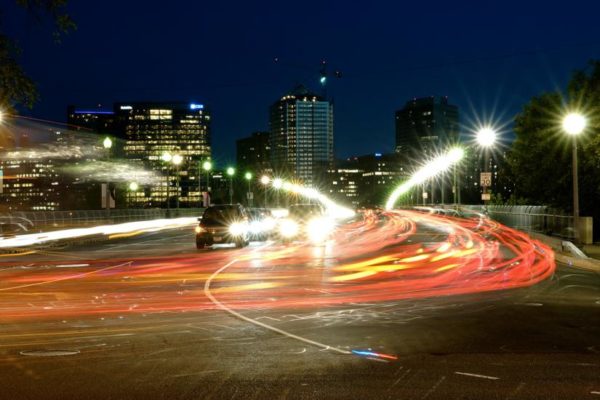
426,124
301,136
253,153
96,120
151,129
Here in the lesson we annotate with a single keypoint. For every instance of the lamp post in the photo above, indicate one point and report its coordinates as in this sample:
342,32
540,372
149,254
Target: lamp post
486,138
265,180
107,143
277,184
207,166
230,173
248,177
133,187
574,124
177,160
166,157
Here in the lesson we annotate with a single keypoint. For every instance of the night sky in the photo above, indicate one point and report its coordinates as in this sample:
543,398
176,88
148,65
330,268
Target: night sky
488,57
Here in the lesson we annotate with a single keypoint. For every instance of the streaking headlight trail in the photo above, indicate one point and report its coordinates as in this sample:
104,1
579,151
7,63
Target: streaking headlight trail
108,230
431,169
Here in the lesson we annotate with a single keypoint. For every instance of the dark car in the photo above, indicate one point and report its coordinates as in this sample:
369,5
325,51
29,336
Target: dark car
223,224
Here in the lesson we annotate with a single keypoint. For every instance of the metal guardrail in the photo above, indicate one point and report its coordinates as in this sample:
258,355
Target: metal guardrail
37,221
540,219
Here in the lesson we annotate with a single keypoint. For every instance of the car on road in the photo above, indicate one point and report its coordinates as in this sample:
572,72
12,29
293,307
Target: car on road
261,223
221,224
306,221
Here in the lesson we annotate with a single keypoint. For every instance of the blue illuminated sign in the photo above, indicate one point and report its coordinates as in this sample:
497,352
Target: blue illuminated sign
195,106
377,154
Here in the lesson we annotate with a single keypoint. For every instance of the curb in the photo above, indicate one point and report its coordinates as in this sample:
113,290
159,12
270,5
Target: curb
567,253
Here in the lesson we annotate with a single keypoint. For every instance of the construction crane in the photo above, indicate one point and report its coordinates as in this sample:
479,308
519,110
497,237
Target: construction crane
324,72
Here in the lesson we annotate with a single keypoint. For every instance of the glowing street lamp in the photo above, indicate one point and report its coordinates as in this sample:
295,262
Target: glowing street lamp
133,186
265,180
230,173
249,195
107,143
177,160
486,137
166,157
277,184
574,124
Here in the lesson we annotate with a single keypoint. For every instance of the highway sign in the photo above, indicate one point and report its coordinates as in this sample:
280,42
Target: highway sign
485,179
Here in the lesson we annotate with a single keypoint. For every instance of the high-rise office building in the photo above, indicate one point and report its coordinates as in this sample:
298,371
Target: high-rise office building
425,125
152,129
301,127
253,153
93,119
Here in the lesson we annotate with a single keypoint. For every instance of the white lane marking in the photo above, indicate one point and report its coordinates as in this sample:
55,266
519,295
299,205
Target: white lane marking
477,375
258,323
72,265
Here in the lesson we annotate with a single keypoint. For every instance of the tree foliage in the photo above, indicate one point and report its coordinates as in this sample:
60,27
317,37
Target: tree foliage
16,88
540,159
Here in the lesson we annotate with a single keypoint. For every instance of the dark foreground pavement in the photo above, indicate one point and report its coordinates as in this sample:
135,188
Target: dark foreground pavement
541,342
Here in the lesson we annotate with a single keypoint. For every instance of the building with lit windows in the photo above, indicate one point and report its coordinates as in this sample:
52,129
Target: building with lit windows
153,129
344,182
253,153
425,125
96,120
301,136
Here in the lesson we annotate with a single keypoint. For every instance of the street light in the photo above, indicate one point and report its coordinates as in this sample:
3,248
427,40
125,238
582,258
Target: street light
486,138
107,143
167,157
265,180
177,160
277,184
574,124
133,186
230,172
207,166
248,177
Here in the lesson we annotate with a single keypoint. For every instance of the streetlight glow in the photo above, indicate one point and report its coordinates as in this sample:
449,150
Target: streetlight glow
133,186
107,143
486,136
248,175
177,159
265,180
277,183
166,156
230,171
574,123
207,165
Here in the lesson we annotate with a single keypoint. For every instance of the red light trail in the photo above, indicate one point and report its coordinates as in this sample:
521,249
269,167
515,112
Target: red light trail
388,257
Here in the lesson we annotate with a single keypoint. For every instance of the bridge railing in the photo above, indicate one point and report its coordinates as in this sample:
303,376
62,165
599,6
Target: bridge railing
37,221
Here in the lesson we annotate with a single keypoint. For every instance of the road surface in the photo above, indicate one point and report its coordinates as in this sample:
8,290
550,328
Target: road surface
404,305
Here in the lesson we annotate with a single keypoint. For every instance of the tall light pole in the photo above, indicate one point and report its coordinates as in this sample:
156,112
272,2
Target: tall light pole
230,173
248,177
277,184
166,157
107,143
265,180
177,160
486,138
574,124
207,166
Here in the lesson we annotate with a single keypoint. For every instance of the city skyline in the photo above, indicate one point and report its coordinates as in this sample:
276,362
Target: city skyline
483,76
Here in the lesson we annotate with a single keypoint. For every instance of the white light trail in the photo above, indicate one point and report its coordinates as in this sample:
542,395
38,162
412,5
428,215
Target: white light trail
107,230
431,169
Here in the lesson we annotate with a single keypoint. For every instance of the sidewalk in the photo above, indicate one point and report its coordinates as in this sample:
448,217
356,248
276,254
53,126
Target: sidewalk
566,253
592,250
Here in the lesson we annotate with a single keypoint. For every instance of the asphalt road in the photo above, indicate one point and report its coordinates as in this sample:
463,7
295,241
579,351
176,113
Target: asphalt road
134,318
